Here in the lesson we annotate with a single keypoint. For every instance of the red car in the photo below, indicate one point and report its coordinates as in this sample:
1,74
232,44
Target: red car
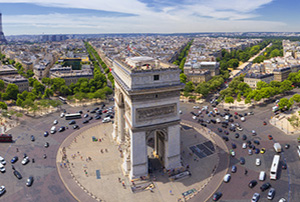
265,123
235,113
270,137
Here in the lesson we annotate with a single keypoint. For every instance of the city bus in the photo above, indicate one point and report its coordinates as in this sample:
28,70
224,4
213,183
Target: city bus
62,99
6,138
274,167
73,116
298,150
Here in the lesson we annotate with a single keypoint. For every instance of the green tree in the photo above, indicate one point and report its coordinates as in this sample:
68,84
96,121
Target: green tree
48,92
3,105
284,104
261,84
183,78
275,53
12,91
229,99
233,63
296,98
189,87
2,85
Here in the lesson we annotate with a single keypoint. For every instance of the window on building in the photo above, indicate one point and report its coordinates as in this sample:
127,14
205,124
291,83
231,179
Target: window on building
156,77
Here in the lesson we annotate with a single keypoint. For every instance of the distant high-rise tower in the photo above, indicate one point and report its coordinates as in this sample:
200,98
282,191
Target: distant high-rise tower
2,38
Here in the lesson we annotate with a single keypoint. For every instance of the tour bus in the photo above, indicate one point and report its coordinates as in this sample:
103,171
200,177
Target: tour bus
62,99
6,138
73,116
274,167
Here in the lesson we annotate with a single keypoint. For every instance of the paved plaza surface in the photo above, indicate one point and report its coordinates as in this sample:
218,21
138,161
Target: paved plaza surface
100,175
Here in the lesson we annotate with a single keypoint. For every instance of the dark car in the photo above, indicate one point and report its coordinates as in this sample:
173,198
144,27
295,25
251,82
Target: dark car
85,121
93,111
283,166
14,160
75,127
257,151
226,132
99,111
193,113
61,129
97,117
80,112
46,145
245,114
220,130
286,146
212,120
240,115
90,118
86,115
29,181
216,196
249,142
237,135
265,186
230,120
72,122
233,169
233,146
17,174
244,137
235,116
203,124
256,142
46,133
252,183
242,161
32,138
225,138
224,126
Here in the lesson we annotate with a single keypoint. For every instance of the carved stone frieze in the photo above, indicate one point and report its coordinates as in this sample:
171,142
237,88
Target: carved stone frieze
152,96
128,110
150,113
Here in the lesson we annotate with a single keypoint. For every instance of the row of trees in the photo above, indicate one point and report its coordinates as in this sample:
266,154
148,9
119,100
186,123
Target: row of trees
92,54
238,89
275,50
233,58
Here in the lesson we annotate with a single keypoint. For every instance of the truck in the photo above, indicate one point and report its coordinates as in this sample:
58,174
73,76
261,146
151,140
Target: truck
277,147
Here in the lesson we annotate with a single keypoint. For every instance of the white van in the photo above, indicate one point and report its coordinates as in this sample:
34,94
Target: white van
262,176
106,120
53,130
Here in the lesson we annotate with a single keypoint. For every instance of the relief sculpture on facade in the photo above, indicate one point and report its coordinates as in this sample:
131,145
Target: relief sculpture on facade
155,112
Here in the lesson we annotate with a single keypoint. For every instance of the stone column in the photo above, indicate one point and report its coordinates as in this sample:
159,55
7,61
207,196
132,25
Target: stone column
115,129
138,155
172,150
121,126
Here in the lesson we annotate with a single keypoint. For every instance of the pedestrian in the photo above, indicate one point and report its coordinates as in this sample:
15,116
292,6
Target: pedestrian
123,184
246,171
17,149
171,193
119,180
151,189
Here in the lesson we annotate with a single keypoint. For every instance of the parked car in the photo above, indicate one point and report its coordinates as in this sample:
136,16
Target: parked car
25,160
29,181
46,133
265,186
244,137
46,144
252,183
220,130
242,160
216,196
225,138
62,115
271,194
233,146
14,159
227,178
257,162
264,123
262,150
255,197
237,135
286,146
72,122
253,132
17,174
75,127
32,138
86,115
85,121
55,122
2,190
256,151
244,146
233,169
283,166
61,129
270,137
232,152
250,152
256,142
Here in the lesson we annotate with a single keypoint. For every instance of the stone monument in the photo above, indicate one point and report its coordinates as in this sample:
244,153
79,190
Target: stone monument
146,107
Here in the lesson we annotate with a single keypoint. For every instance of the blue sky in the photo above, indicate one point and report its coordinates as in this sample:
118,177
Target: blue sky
148,16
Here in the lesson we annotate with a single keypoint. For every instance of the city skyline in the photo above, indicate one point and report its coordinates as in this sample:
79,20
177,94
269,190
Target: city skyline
147,16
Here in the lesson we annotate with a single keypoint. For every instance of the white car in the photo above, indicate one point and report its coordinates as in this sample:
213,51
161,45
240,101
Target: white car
180,112
2,190
253,132
250,151
257,162
194,117
2,168
243,119
218,120
239,128
55,122
25,160
196,107
2,160
227,178
244,145
62,115
255,197
282,200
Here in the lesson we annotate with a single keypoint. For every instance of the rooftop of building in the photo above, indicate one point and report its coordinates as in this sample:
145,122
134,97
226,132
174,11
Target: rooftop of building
7,68
14,79
258,76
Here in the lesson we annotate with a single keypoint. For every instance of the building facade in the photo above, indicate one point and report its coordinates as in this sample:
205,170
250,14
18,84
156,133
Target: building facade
252,79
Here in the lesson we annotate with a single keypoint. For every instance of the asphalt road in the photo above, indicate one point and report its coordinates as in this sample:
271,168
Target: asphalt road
47,185
237,189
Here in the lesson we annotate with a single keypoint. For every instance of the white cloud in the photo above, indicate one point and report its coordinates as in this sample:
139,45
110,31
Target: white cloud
194,16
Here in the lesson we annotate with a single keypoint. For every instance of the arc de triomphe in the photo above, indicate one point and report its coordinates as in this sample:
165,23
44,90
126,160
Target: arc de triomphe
146,106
